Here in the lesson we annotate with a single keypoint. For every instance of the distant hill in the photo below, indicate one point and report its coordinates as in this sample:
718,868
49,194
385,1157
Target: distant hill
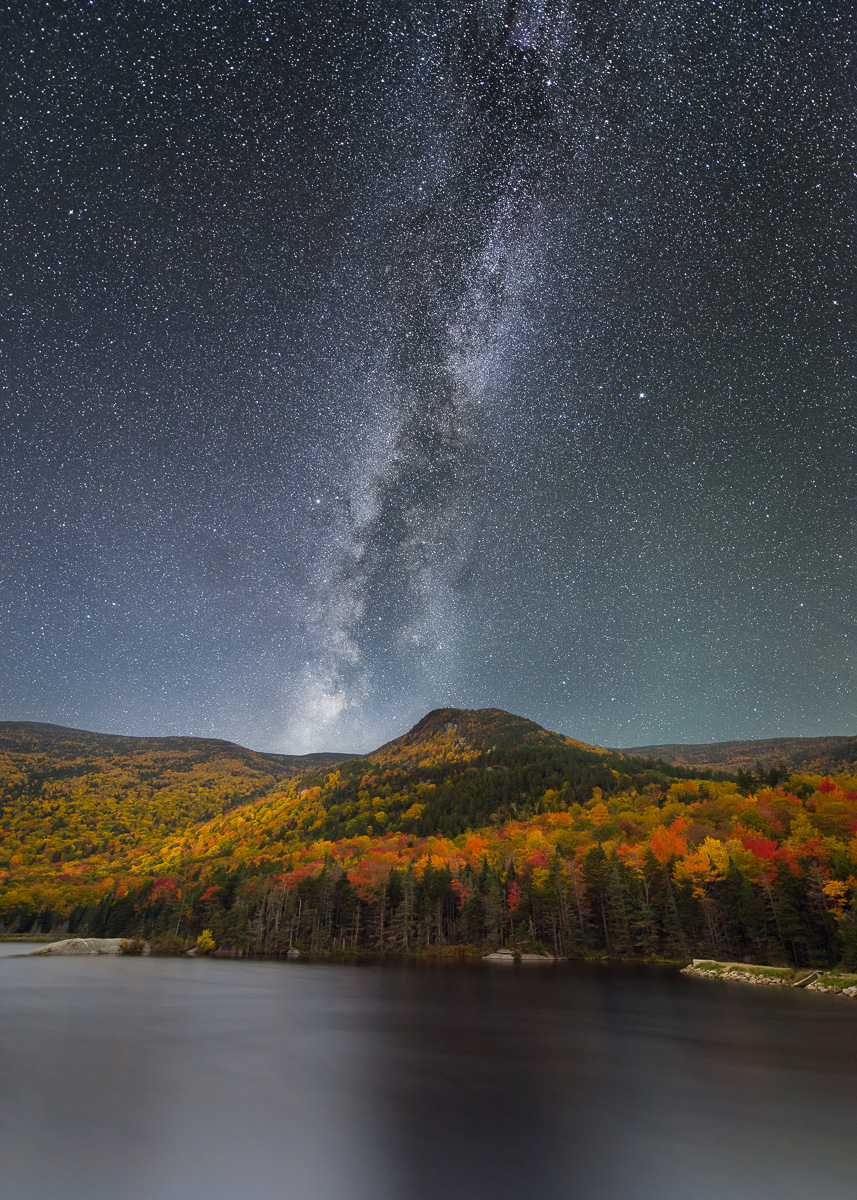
64,744
75,794
821,755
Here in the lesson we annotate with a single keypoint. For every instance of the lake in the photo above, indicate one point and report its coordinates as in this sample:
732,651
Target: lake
178,1079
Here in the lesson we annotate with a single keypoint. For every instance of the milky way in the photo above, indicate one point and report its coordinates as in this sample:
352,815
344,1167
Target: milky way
361,359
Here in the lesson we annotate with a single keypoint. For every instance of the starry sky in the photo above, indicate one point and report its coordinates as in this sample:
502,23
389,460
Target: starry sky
360,358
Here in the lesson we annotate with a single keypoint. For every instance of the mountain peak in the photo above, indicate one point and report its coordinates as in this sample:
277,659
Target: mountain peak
448,734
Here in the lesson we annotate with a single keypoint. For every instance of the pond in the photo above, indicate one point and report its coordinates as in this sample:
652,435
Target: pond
174,1079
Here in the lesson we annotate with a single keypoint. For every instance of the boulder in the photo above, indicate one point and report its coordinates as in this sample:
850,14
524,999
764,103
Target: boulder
509,956
82,946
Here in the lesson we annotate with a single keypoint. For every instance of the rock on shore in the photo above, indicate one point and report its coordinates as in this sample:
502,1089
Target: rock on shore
509,956
81,946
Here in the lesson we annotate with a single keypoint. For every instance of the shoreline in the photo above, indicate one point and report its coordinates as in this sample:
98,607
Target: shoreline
829,981
809,979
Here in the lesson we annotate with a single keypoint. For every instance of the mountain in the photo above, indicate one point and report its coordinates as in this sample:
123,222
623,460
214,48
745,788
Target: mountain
796,754
456,770
72,800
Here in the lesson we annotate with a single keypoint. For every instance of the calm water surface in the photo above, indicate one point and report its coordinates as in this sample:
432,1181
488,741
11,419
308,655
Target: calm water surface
159,1079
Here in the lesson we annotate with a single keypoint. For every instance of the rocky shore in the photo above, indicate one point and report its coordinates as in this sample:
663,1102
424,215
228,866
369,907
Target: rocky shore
835,982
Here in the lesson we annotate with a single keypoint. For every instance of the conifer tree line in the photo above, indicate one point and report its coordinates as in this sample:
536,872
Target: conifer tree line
771,903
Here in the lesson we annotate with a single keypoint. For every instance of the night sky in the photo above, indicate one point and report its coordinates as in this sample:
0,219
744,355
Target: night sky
363,358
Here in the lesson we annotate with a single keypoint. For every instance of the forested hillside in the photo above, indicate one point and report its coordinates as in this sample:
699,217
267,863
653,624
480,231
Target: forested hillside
69,795
820,754
473,830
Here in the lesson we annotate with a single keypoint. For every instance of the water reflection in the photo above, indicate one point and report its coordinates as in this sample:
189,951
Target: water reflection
8,949
171,1080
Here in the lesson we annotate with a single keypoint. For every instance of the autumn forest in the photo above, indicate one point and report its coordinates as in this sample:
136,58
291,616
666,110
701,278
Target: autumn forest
475,830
